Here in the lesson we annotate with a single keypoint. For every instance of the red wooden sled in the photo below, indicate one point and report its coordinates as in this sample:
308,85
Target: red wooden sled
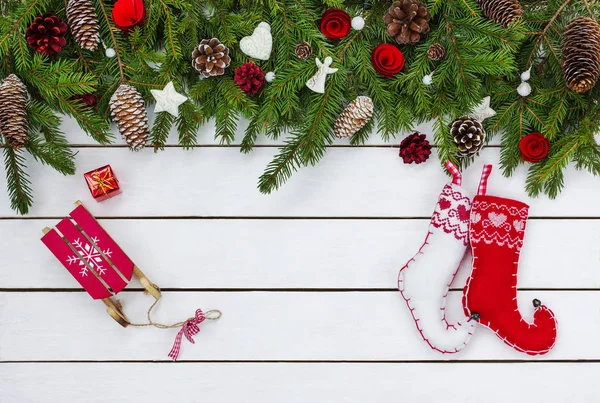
95,260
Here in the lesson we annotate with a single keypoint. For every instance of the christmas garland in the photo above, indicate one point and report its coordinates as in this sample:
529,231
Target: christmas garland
380,66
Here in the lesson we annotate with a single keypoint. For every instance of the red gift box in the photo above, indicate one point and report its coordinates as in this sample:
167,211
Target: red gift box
102,183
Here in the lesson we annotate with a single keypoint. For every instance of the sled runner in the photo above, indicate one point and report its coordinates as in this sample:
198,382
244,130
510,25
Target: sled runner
95,260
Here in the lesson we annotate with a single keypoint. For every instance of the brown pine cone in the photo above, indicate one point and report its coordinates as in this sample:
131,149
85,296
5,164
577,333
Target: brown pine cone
581,54
436,52
415,148
354,117
46,34
468,134
303,50
81,16
211,58
128,110
503,12
13,111
407,21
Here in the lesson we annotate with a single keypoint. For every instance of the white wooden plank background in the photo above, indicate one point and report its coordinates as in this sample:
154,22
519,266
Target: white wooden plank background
305,277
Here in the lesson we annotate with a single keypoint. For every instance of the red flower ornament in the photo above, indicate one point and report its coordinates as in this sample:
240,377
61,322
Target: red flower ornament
128,14
46,34
415,149
387,60
249,77
335,23
534,147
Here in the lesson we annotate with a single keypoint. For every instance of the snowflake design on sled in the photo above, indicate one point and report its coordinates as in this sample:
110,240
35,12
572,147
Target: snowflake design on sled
89,255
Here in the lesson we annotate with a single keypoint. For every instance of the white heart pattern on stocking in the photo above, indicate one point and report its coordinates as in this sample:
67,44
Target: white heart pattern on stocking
259,44
475,217
497,219
519,225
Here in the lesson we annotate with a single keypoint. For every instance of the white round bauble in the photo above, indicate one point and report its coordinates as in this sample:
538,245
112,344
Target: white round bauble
428,79
270,76
358,23
526,75
524,89
110,52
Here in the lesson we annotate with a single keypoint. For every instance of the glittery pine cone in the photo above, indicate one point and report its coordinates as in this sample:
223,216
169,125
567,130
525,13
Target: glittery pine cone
13,112
354,117
81,16
503,12
46,34
249,77
415,148
468,134
211,58
581,54
128,110
436,52
303,50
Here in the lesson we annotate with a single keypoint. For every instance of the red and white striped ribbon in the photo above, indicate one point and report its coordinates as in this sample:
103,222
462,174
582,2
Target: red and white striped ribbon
456,174
487,169
189,329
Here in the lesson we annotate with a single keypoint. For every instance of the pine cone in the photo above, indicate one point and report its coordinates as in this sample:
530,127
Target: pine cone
81,16
436,52
581,54
354,117
127,109
407,21
303,50
46,34
468,134
211,58
415,148
503,12
13,111
249,77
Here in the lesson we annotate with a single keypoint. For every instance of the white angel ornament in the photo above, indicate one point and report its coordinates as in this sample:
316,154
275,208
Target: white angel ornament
317,82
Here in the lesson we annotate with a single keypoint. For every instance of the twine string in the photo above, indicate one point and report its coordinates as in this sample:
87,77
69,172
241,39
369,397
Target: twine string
189,327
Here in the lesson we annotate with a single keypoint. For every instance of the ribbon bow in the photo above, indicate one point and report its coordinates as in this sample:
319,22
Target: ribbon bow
189,329
104,181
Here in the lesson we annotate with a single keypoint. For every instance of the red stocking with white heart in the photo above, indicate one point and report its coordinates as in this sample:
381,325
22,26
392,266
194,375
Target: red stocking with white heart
428,275
496,232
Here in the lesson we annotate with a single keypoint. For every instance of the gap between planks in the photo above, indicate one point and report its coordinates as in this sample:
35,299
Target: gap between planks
511,361
255,146
298,290
287,218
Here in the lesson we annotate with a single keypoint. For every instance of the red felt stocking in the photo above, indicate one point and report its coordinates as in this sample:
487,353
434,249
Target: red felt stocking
496,235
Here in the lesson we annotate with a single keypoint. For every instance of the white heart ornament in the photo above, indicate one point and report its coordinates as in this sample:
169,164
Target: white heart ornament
497,219
259,44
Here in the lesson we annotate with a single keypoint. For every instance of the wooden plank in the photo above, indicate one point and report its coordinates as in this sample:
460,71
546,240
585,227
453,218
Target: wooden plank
298,383
319,326
256,253
369,182
206,135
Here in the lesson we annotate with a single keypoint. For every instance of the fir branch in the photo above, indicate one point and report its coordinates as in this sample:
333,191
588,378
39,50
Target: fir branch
17,180
160,130
107,24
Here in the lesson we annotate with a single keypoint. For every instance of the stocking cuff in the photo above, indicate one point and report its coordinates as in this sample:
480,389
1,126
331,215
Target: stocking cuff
496,220
451,213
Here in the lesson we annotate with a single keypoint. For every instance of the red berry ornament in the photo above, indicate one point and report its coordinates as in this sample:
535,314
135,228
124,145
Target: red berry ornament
534,147
128,14
87,99
46,34
415,148
387,60
249,77
335,23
